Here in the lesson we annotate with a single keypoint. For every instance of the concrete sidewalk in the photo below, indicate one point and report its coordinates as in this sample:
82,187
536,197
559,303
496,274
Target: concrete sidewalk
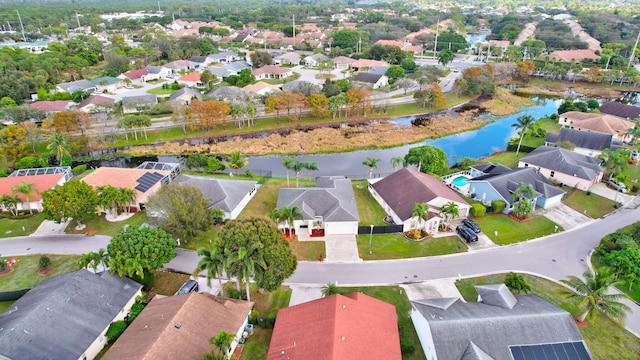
564,216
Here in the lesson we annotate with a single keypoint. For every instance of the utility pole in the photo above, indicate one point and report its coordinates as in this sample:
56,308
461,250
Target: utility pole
78,19
435,46
294,30
633,53
159,11
24,38
359,48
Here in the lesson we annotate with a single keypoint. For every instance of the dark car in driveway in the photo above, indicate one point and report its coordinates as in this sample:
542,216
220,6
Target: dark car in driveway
189,286
467,234
471,225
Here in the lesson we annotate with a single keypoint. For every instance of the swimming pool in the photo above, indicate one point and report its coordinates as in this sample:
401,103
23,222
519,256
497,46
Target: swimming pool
460,181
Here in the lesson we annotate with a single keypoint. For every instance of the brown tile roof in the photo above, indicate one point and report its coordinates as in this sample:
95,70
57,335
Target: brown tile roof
119,177
259,86
194,77
153,335
136,74
42,182
50,106
367,63
95,99
406,187
270,69
337,327
603,123
577,55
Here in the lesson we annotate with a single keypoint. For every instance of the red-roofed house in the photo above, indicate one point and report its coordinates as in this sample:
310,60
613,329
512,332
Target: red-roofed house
261,88
337,327
573,55
403,45
89,104
271,72
191,80
400,191
43,178
136,76
367,64
51,107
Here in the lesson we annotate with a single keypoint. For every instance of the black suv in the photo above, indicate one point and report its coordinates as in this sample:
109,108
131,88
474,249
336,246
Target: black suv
189,286
471,225
467,234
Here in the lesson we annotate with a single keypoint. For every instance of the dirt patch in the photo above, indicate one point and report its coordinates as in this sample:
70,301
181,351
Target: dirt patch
7,271
505,103
46,272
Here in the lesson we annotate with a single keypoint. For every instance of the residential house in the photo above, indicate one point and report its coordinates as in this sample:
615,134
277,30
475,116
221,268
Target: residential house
500,326
565,166
271,72
70,87
108,84
289,58
315,60
379,70
498,184
261,88
155,73
343,62
337,327
66,316
500,44
231,196
296,85
573,55
200,61
144,182
329,208
50,107
136,76
620,110
89,104
224,57
180,65
603,123
43,179
139,103
399,192
237,66
185,95
180,327
191,80
374,80
221,73
229,93
366,64
403,45
586,142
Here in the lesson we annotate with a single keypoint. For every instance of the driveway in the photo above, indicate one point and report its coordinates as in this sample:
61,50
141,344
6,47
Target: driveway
603,190
564,216
432,289
48,227
339,248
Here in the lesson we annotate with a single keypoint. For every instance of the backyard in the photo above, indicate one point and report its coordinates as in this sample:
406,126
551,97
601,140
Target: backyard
605,339
504,230
592,205
25,275
371,213
394,246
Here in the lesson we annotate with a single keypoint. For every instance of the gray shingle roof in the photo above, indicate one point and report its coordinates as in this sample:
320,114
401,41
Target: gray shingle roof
76,85
620,110
492,329
153,69
222,193
198,59
293,85
62,316
228,93
497,295
564,161
332,198
188,91
585,139
222,55
379,70
491,168
366,78
237,66
505,183
473,352
221,72
139,100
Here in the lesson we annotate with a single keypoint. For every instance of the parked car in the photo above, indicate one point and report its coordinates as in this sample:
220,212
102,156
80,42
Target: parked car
634,155
618,185
471,225
189,286
467,234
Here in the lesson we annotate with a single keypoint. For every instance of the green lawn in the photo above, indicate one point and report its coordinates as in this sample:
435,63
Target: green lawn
605,339
257,345
5,304
594,206
308,250
396,296
97,225
394,246
168,283
160,91
25,275
11,227
511,231
266,198
371,213
506,158
206,240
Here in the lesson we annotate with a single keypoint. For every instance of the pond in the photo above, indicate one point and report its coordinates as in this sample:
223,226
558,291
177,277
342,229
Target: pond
474,143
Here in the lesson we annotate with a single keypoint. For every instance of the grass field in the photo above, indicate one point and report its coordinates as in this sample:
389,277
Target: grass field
506,158
97,225
371,213
5,305
167,283
308,250
25,275
510,231
605,339
394,246
594,206
20,227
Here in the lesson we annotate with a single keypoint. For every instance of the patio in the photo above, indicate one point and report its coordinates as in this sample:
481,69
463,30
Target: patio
458,181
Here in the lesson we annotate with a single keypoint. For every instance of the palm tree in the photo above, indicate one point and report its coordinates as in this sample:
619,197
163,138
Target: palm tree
27,190
614,161
330,289
124,197
276,215
371,163
311,166
143,122
287,162
446,56
289,215
213,262
297,167
420,212
523,199
449,211
9,203
593,295
222,341
58,145
107,196
236,161
102,258
87,260
634,132
397,161
245,261
524,123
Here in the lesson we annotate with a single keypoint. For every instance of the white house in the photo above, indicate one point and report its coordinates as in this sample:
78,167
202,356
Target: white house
590,143
315,60
374,80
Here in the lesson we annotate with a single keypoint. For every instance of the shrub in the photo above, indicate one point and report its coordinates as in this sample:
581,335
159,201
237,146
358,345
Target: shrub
66,160
254,316
248,173
3,264
115,330
406,345
136,309
271,319
516,283
147,281
478,210
233,294
44,262
79,169
498,205
414,234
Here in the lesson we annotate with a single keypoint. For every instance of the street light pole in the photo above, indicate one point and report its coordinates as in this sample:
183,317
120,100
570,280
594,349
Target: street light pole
370,236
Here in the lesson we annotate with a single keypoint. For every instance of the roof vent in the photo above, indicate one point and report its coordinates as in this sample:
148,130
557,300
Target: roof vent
343,338
178,325
344,306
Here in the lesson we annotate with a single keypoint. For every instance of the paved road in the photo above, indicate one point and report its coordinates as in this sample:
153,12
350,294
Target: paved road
52,244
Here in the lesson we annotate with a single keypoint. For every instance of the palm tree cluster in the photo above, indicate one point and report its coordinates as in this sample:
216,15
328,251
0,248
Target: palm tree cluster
522,198
449,211
93,260
134,123
10,202
25,189
58,145
297,166
372,163
287,216
236,161
113,198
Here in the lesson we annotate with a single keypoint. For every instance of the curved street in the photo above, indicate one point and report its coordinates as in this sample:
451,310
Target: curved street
554,257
